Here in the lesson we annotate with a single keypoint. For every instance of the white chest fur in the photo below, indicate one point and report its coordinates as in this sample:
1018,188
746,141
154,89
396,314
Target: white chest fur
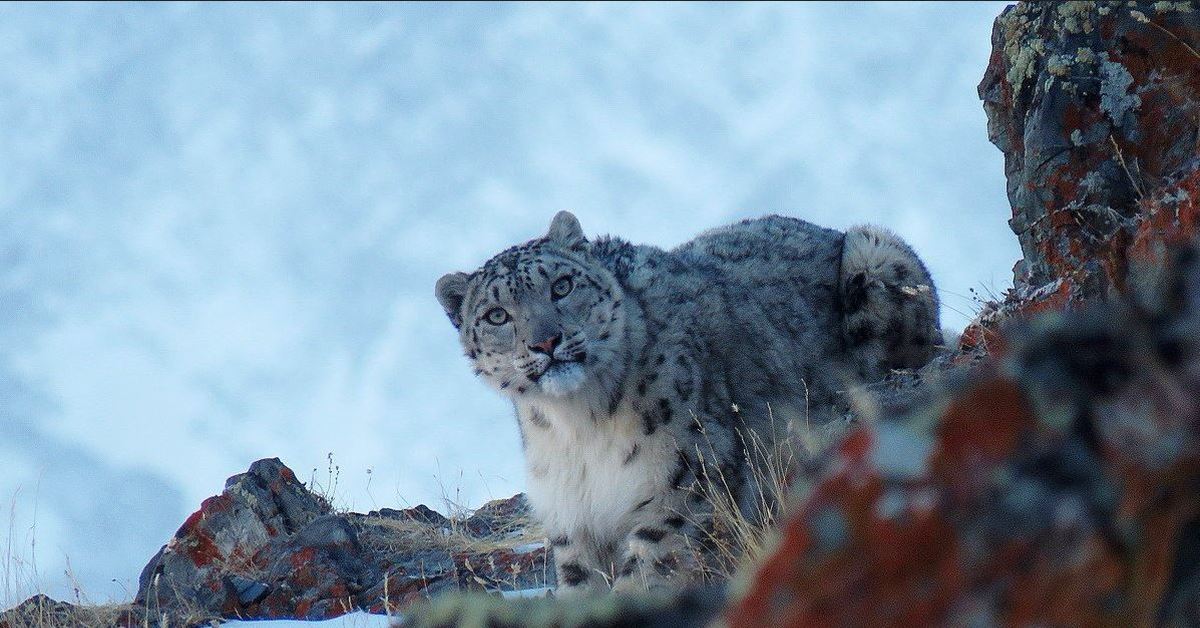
584,475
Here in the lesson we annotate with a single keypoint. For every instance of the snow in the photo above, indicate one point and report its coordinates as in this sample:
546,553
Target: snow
526,548
353,620
360,620
220,225
539,592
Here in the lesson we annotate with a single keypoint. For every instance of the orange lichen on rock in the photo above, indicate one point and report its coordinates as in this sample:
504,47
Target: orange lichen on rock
1168,218
851,551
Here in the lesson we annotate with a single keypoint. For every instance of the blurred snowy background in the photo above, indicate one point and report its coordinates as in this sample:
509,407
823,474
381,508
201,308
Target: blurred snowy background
220,225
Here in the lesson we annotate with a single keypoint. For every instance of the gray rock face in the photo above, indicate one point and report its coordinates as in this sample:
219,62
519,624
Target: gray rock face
1096,106
225,537
499,517
420,514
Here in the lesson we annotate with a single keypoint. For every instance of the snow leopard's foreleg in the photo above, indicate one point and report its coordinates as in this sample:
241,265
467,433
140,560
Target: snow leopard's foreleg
578,566
671,540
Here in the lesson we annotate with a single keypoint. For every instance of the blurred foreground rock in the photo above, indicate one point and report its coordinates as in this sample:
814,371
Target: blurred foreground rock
685,609
1059,485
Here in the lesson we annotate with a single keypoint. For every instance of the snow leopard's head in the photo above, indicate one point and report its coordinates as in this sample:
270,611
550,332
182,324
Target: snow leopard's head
541,318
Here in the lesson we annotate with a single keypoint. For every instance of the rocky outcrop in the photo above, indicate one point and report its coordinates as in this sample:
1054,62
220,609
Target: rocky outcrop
269,548
218,560
1096,106
40,611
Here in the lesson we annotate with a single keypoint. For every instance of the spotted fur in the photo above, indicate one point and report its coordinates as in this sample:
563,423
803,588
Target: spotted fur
890,309
639,374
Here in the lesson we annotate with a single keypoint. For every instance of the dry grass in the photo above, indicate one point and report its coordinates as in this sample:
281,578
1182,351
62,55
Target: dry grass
405,534
21,579
474,552
740,533
327,491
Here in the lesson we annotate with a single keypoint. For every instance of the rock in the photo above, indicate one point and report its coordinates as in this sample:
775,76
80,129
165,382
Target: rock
499,517
1096,106
316,573
409,577
528,566
420,514
227,536
247,591
269,548
41,611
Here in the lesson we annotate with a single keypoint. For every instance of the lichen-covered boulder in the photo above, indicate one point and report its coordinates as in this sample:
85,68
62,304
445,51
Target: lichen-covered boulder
1096,106
216,555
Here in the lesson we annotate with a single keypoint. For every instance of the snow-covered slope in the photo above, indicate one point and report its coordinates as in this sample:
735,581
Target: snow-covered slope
220,225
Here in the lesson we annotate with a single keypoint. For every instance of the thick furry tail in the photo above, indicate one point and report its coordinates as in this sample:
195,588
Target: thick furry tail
889,304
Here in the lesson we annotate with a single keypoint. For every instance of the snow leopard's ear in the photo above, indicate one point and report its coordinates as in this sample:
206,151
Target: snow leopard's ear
451,289
566,232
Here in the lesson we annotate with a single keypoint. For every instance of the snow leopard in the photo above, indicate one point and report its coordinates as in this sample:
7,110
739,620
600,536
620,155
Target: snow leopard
638,373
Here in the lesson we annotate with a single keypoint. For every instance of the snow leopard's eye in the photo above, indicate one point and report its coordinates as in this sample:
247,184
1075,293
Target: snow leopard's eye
496,316
561,287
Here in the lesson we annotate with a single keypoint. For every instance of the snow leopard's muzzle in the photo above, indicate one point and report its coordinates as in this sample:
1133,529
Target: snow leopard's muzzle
555,364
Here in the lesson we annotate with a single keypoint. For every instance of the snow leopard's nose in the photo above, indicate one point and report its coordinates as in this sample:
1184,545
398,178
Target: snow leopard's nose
547,346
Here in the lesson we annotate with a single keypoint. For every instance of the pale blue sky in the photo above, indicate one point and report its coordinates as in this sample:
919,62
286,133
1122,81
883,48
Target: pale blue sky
220,224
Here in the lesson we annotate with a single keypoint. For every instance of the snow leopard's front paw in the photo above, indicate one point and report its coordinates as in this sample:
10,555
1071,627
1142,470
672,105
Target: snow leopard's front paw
639,583
574,569
656,558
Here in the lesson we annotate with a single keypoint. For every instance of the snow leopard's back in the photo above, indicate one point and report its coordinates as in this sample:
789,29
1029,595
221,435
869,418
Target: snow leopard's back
774,321
785,313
